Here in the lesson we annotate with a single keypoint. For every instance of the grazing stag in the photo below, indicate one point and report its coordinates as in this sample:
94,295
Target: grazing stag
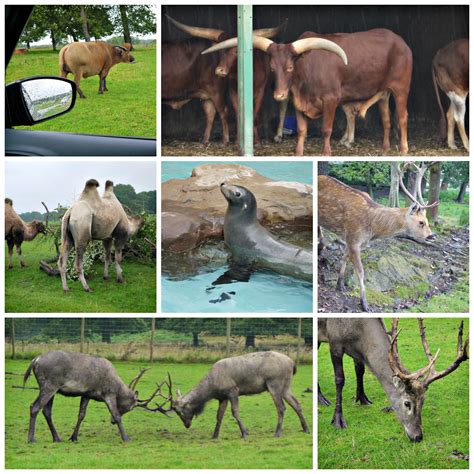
366,340
17,231
96,218
73,374
358,219
242,375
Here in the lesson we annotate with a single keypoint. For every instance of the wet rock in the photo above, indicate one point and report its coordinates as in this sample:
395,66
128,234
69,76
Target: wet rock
193,209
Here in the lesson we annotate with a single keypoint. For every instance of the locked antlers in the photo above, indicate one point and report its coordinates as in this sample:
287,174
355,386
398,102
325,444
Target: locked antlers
427,374
158,393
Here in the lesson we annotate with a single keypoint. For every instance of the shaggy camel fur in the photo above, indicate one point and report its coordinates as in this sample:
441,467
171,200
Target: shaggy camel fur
17,231
95,218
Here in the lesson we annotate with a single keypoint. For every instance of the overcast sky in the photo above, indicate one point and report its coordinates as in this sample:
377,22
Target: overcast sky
29,183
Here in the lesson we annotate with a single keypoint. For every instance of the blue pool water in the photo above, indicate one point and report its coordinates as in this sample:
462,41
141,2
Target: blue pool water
300,171
264,292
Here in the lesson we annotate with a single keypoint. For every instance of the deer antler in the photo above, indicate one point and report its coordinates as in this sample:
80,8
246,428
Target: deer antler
136,379
158,392
420,171
394,359
461,356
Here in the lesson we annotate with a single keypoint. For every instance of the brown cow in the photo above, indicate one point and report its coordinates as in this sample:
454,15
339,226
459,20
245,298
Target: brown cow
92,59
187,75
450,72
375,64
227,67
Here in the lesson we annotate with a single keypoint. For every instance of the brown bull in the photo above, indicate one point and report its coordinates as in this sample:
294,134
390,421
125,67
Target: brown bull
451,73
227,67
92,59
375,64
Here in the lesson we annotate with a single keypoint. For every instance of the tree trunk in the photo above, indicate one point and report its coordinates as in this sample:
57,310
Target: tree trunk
323,168
250,340
53,40
435,188
195,339
85,27
126,29
28,46
462,192
393,198
368,182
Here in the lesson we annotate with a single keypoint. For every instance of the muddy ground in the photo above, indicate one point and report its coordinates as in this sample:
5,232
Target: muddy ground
447,261
422,142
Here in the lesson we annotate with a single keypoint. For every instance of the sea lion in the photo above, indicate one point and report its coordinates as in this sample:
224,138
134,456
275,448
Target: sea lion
251,244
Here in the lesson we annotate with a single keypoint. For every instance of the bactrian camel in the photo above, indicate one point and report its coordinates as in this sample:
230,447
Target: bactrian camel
17,231
95,218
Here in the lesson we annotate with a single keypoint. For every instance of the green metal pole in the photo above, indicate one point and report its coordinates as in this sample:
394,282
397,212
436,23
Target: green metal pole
245,78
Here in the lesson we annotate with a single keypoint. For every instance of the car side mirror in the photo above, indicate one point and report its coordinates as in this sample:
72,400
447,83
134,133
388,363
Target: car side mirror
36,99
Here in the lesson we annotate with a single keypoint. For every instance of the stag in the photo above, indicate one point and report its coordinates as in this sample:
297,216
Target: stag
358,219
74,374
367,341
230,378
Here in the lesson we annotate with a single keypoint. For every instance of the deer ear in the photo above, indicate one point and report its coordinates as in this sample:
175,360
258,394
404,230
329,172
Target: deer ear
397,382
178,393
414,208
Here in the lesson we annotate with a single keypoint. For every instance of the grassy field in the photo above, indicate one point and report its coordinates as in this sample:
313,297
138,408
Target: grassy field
157,442
128,109
376,440
31,290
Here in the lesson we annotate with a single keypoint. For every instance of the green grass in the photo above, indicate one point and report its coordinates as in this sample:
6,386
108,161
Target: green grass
31,290
157,442
376,440
127,109
455,301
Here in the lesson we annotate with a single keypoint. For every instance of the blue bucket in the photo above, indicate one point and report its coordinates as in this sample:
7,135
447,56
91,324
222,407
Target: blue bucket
289,125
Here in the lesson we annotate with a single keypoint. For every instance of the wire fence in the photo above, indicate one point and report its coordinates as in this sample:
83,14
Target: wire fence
160,339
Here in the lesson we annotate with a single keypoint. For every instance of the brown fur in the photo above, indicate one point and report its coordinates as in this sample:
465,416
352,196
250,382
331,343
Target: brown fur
17,231
450,72
357,219
92,59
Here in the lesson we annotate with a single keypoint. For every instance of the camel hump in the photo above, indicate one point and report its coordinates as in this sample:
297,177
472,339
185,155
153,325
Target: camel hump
8,201
92,183
109,184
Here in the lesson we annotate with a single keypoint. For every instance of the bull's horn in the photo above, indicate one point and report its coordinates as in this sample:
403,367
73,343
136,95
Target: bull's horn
271,32
306,44
206,33
261,43
258,43
230,43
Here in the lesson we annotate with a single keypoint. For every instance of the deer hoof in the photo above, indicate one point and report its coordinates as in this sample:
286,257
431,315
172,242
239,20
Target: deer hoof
339,422
10,267
106,277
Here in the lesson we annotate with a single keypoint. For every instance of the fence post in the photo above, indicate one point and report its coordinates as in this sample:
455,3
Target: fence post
227,337
152,337
13,338
83,331
298,346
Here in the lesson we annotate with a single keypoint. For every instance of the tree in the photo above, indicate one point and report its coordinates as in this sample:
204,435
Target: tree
129,19
435,188
369,173
456,173
85,26
393,197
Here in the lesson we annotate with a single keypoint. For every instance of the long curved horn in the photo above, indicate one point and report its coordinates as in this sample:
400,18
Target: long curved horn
271,32
306,44
258,43
206,33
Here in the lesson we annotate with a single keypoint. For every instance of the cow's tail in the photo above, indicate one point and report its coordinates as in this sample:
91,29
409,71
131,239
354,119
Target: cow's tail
294,368
28,371
443,126
63,70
